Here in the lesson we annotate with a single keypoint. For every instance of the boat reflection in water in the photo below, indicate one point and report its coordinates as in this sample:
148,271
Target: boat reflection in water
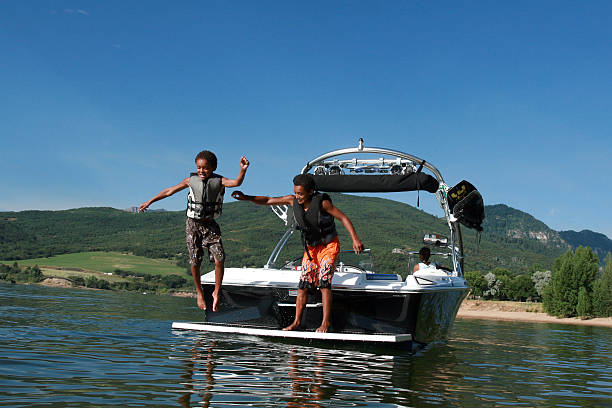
421,305
251,372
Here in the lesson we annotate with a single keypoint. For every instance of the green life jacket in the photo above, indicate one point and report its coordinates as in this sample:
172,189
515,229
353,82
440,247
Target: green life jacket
317,225
205,200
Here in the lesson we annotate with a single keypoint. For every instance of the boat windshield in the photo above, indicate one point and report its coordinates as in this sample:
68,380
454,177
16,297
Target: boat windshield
362,261
439,259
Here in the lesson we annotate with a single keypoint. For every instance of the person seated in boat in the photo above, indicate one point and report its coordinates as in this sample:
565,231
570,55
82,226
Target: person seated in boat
314,214
204,205
424,263
424,254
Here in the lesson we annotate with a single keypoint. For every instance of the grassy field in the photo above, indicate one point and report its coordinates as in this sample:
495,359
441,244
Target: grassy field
103,262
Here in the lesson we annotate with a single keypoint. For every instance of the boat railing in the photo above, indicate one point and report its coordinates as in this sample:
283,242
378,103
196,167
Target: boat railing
408,158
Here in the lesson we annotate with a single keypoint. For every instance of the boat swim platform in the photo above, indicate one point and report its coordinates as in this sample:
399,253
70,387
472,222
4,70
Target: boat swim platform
294,334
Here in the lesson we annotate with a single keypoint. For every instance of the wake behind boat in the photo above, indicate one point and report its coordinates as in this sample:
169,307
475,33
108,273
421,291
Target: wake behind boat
420,308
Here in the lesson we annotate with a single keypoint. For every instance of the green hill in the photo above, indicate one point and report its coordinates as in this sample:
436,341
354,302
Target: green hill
600,243
511,239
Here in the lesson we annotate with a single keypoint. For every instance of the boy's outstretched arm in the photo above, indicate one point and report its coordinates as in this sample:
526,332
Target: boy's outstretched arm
244,165
263,200
167,192
336,213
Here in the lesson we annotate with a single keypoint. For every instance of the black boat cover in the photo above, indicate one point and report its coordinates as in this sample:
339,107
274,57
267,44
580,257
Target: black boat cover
375,183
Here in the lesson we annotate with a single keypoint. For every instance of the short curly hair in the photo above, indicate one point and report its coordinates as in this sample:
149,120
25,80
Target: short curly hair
425,253
304,180
209,157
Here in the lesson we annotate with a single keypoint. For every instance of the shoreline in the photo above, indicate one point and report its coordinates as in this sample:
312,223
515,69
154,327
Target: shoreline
469,309
521,312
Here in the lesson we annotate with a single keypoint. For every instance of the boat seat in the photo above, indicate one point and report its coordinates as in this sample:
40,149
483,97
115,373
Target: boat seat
431,271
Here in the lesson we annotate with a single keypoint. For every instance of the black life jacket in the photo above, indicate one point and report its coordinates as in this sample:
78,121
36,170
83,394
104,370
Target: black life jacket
205,200
317,225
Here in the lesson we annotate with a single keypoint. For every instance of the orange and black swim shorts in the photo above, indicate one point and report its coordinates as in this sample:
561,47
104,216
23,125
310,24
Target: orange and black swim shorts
318,270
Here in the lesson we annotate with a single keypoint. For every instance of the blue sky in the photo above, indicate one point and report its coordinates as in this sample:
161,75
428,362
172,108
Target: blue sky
104,103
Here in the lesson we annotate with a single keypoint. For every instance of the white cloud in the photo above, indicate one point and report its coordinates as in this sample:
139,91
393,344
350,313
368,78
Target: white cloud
70,11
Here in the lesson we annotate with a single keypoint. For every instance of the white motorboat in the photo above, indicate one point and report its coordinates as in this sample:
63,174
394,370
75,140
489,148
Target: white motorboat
420,307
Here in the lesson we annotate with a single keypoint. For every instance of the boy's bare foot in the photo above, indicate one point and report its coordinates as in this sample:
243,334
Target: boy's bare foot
324,328
215,296
292,326
201,302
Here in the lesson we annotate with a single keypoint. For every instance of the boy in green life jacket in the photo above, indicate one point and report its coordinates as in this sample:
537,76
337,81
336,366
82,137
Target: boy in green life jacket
204,204
314,214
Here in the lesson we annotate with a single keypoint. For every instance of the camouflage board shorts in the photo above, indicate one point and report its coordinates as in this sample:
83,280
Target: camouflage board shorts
201,235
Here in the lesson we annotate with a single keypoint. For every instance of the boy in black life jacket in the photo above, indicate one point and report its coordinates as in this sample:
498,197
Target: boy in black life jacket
314,214
204,204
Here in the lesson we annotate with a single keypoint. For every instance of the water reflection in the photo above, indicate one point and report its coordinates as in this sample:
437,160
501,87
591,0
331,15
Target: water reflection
308,384
260,373
202,356
469,371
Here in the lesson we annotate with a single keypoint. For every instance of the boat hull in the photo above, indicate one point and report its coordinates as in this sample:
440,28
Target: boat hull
427,315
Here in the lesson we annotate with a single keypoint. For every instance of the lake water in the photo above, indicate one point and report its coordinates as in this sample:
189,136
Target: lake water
80,348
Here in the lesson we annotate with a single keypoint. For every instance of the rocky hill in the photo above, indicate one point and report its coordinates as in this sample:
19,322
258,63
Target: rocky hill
515,225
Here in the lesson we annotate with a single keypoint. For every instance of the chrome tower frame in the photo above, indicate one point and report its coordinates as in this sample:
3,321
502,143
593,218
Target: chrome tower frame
408,164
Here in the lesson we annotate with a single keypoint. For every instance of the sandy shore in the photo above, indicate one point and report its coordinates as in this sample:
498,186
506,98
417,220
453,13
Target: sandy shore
183,294
57,282
520,312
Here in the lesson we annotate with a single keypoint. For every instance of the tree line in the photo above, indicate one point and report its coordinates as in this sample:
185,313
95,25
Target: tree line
575,287
14,273
133,281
